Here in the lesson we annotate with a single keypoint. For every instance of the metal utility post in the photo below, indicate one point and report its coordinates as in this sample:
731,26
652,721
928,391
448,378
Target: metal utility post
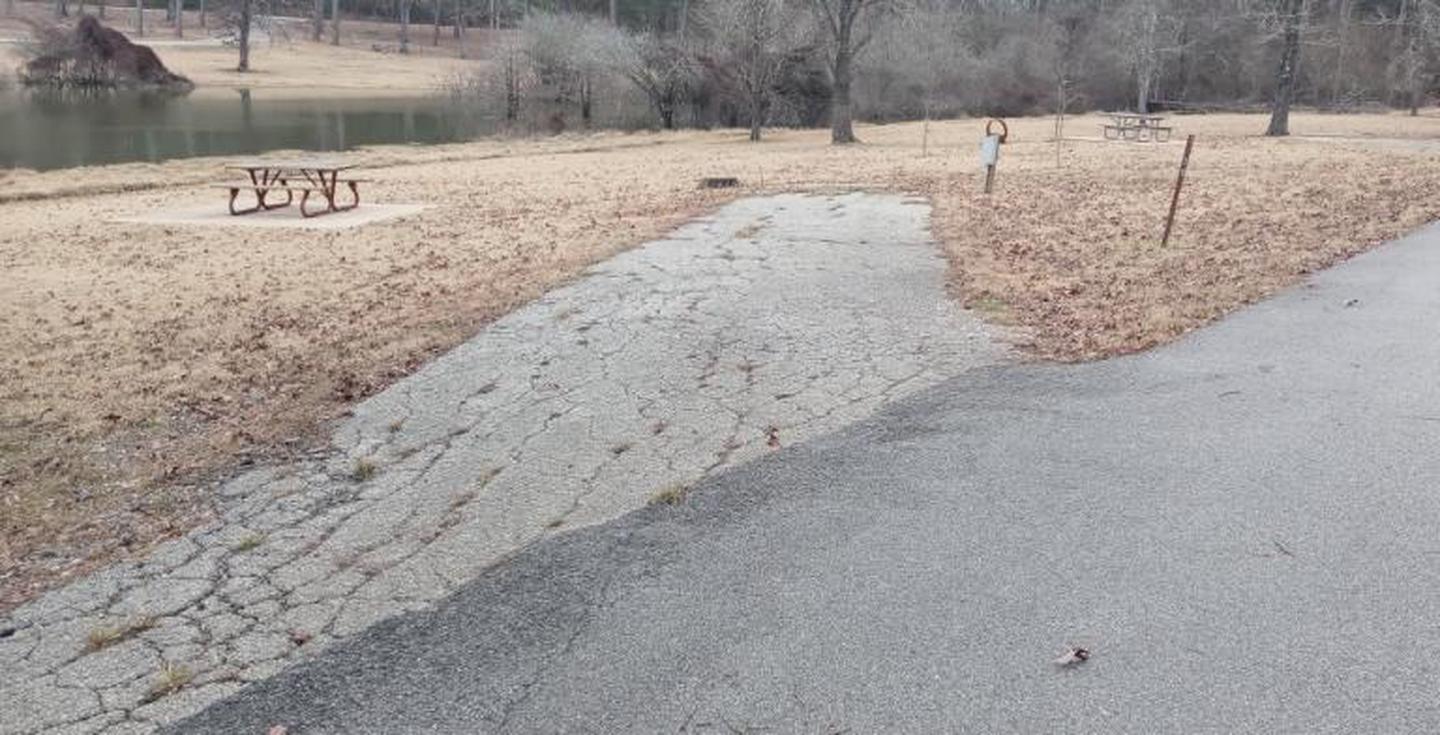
1175,197
990,149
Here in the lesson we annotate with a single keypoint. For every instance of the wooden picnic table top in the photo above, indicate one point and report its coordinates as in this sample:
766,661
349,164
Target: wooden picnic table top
1121,117
297,164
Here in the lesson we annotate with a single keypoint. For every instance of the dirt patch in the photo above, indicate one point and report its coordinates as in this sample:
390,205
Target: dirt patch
139,360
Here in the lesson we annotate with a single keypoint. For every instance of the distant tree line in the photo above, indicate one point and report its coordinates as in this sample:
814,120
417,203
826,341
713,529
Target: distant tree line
807,62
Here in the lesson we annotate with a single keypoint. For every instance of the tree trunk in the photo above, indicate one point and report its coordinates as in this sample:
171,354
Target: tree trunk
614,12
179,18
435,37
334,22
202,13
317,21
1285,77
140,18
404,26
1337,79
842,129
244,36
459,21
512,85
587,90
757,113
1142,92
925,129
100,8
60,9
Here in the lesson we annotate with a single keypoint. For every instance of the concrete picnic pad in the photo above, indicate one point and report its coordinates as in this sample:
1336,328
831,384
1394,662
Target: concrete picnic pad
1242,527
215,215
771,322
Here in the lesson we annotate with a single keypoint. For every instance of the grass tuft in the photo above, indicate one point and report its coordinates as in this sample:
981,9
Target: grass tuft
672,495
108,635
172,679
364,469
248,542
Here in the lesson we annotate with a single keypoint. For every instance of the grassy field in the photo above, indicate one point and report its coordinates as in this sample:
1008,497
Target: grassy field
140,361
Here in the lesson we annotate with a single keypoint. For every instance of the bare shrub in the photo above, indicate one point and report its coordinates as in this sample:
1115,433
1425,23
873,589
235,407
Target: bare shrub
92,55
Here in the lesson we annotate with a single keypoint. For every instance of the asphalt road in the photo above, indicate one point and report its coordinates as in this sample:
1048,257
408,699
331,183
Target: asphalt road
1244,528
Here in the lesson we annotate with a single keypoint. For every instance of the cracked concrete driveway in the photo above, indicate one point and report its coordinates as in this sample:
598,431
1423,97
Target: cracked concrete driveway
771,322
1241,526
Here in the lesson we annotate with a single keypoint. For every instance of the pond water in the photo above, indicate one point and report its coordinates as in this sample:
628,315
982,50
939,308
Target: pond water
48,130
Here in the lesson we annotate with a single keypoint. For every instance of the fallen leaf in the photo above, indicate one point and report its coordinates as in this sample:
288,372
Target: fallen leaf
1073,656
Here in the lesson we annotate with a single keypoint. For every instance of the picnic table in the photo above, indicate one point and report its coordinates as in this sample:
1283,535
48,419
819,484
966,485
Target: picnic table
1136,126
306,176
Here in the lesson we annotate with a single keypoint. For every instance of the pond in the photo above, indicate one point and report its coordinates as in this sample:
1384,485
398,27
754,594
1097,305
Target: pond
49,130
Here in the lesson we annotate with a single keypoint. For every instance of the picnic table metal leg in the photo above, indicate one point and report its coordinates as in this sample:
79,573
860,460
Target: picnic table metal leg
235,193
307,214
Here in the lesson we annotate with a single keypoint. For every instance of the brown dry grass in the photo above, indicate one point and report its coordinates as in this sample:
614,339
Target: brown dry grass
139,360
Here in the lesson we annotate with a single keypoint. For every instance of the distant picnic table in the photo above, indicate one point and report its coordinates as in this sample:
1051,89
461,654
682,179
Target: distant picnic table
307,176
1135,126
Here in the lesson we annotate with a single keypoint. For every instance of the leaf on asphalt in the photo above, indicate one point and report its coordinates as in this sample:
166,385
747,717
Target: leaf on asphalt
1073,656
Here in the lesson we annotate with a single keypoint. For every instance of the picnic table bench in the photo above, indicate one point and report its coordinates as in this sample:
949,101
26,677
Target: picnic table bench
306,176
1137,127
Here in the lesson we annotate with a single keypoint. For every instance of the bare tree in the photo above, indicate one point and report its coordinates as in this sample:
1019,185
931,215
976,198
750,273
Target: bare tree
246,11
1292,18
179,18
568,53
1068,34
334,22
1419,35
920,52
62,9
317,20
848,27
1148,37
405,26
758,38
660,69
140,18
511,78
